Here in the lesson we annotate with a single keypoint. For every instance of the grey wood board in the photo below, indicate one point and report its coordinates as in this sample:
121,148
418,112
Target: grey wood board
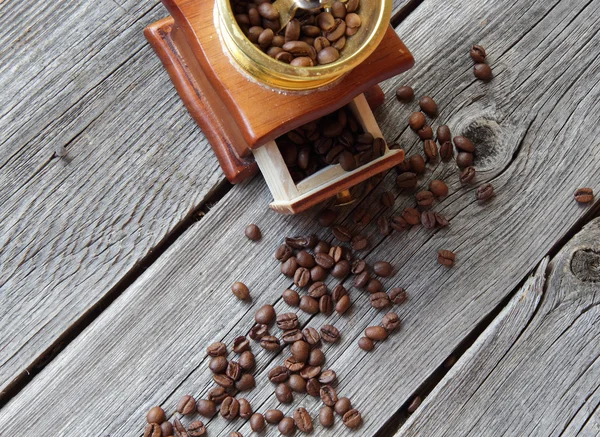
536,374
148,347
136,166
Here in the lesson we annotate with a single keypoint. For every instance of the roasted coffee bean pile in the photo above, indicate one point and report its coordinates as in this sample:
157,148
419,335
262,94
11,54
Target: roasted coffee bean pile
313,37
334,139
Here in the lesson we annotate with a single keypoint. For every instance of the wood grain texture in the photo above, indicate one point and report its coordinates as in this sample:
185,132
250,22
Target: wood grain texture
536,374
536,143
83,81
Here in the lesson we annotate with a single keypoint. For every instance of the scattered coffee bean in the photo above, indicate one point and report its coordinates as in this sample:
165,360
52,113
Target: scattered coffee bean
291,336
361,280
300,350
425,133
430,149
383,269
156,415
336,253
273,416
313,387
342,406
230,408
206,408
253,232
284,394
485,192
316,357
311,336
328,395
240,291
361,216
428,219
467,175
217,395
303,420
293,365
416,121
216,349
383,225
234,370
257,422
318,273
330,333
235,434
446,258
478,54
283,253
258,331
412,216
288,268
327,377
390,322
326,305
245,409
196,429
310,372
424,198
286,426
464,159
406,180
443,134
379,300
265,315
223,380
405,94
322,247
428,106
180,430
398,223
398,295
297,383
326,416
342,233
327,217
270,343
464,144
352,419
152,430
341,269
584,195
417,164
288,321
240,344
376,333
305,259
324,260
374,286
309,305
483,72
302,277
218,364
438,188
416,402
291,297
166,428
446,151
366,344
441,221
387,199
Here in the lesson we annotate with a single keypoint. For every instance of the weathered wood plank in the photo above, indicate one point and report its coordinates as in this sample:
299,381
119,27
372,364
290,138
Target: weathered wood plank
148,348
84,77
542,381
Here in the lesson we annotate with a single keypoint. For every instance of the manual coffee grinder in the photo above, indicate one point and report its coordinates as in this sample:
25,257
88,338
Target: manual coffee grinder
243,99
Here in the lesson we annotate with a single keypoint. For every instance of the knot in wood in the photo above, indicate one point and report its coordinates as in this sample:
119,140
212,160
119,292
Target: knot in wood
486,135
585,265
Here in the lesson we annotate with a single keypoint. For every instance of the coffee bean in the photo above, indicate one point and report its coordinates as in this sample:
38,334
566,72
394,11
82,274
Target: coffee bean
328,395
425,133
283,253
366,344
467,175
428,219
318,274
279,374
383,225
223,380
289,267
379,300
342,304
186,405
338,292
253,232
268,11
441,221
216,349
234,370
302,420
218,364
446,258
342,233
330,333
341,269
286,426
485,192
326,305
417,164
156,415
352,419
246,382
291,336
438,188
464,159
383,269
398,295
361,216
230,408
412,216
291,297
478,54
305,259
336,253
287,321
179,430
346,159
310,372
326,416
416,121
390,322
247,360
297,383
376,333
273,416
443,134
327,377
284,394
217,394
293,365
358,266
270,343
265,314
317,290
483,72
324,260
302,277
300,350
430,149
446,151
416,402
316,357
399,224
362,279
327,55
464,144
257,422
240,344
166,428
359,242
322,247
374,286
152,430
342,406
196,429
406,180
258,331
428,106
206,408
309,305
404,166
313,387
405,94
584,195
387,199
240,291
424,198
326,217
311,336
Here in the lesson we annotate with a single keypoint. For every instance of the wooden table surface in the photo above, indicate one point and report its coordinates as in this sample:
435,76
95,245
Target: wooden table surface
120,238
